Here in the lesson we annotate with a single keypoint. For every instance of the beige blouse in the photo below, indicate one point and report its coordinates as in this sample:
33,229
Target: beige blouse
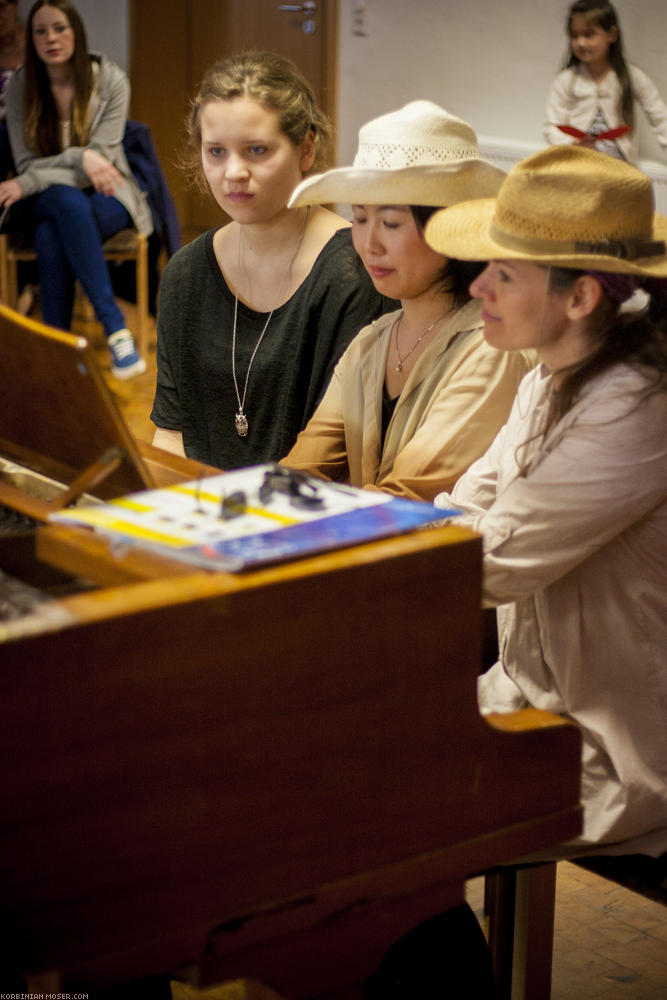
456,397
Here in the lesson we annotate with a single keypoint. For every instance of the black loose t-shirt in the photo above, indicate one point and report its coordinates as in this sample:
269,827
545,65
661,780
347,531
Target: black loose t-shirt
292,368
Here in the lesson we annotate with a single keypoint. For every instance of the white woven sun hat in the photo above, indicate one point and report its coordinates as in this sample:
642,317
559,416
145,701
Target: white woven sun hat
565,206
419,155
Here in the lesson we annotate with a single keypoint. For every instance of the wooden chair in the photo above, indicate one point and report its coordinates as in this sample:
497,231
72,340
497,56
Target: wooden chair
127,244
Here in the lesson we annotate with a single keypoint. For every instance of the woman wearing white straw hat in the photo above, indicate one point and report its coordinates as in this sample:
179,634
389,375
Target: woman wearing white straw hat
571,497
418,395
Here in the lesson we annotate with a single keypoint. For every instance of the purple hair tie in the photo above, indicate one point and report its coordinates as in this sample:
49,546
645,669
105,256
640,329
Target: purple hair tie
617,287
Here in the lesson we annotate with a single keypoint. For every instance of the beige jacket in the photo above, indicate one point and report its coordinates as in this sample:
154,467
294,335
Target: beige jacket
576,557
457,396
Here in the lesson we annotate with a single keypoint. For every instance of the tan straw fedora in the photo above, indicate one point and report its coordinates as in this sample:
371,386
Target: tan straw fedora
419,155
566,206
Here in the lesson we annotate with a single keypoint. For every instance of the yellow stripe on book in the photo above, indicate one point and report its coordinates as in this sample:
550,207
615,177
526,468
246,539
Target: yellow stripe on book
270,516
195,494
150,535
97,518
131,505
217,499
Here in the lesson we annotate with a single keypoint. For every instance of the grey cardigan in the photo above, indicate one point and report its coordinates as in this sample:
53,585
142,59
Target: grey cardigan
108,111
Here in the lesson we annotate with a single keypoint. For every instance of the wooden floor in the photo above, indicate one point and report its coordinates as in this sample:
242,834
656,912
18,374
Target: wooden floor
610,943
135,396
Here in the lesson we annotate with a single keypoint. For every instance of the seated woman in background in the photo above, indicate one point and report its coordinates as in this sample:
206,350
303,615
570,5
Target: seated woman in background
571,497
418,395
254,315
66,113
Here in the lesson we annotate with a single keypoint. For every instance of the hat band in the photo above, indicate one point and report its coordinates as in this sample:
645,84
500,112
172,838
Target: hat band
627,249
394,156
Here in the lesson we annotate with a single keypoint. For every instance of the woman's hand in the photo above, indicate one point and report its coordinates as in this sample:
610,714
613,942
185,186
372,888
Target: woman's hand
102,173
10,192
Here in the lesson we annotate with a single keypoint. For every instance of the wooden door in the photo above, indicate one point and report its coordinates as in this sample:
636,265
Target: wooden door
171,50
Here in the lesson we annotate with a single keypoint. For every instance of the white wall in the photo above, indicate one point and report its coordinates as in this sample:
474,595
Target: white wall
488,61
106,24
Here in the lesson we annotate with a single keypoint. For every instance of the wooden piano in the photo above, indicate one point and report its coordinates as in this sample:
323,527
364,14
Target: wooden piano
271,774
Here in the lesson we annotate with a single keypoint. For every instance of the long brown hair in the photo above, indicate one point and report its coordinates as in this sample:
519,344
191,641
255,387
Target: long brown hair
637,339
41,126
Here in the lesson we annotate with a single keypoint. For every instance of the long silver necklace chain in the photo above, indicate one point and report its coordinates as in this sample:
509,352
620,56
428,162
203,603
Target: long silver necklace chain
240,418
401,360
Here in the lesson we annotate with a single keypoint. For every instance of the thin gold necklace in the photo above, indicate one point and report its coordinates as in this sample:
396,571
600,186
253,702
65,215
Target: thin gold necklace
401,360
240,418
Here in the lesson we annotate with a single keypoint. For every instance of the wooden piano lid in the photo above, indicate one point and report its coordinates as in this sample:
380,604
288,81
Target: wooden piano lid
59,419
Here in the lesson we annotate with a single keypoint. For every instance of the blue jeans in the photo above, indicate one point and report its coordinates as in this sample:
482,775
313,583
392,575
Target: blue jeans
71,226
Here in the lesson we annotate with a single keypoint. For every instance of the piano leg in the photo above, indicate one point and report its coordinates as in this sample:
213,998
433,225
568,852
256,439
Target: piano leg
499,906
521,905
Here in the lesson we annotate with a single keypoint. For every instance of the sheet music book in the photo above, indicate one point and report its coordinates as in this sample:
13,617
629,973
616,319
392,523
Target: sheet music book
233,521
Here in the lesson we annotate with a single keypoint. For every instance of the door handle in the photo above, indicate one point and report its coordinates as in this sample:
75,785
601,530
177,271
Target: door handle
307,7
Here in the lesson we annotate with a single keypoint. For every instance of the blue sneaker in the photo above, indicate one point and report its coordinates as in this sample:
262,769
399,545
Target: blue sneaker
126,361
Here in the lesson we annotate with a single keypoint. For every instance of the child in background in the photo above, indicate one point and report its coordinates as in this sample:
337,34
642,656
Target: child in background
596,91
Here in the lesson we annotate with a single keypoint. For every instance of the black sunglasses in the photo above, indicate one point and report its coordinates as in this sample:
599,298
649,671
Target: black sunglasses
296,485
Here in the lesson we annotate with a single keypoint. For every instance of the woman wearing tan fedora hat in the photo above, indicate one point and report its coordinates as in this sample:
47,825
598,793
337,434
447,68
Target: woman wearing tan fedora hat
418,395
571,497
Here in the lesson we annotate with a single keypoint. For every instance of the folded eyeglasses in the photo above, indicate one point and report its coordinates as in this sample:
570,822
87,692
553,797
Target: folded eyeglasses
300,489
296,485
